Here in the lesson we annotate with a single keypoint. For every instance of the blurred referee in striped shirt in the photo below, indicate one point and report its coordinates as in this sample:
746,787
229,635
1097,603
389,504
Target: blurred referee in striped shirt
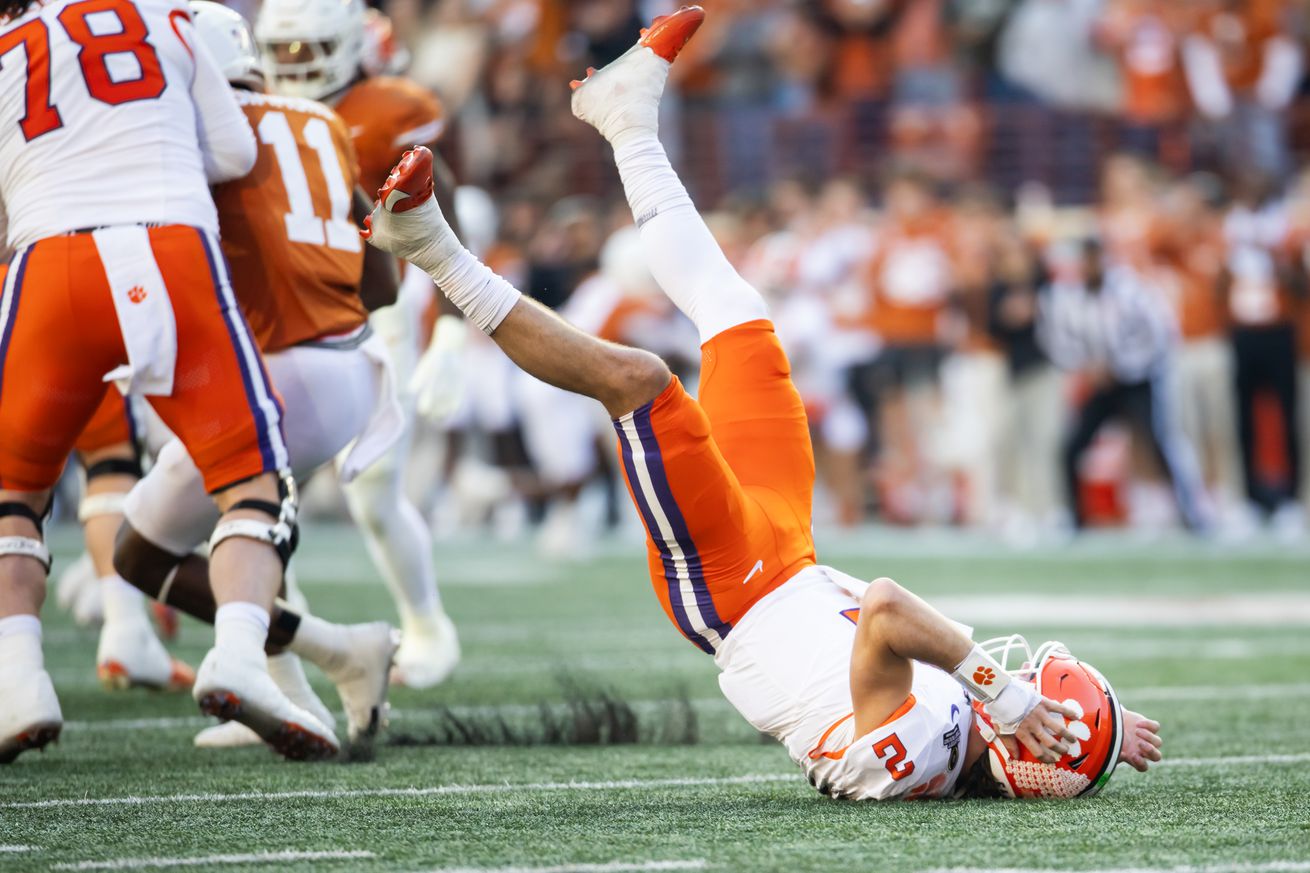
1107,325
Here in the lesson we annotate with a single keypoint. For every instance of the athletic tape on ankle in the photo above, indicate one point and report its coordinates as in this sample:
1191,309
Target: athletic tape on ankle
981,675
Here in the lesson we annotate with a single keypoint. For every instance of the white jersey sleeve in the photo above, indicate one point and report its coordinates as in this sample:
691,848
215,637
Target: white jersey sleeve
111,128
226,140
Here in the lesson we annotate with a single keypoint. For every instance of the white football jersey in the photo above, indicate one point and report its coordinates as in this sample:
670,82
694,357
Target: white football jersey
120,118
786,667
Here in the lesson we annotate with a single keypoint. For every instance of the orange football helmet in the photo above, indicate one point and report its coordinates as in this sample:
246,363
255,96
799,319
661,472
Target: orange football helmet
1092,757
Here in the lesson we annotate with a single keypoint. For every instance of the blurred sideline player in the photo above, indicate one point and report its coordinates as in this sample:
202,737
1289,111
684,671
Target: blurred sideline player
316,49
874,693
295,265
117,275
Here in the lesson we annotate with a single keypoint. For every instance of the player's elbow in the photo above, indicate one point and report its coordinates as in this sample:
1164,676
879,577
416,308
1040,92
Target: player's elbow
635,378
232,158
883,600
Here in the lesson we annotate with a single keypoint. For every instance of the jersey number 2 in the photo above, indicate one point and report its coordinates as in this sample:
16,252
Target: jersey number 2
93,53
893,750
303,225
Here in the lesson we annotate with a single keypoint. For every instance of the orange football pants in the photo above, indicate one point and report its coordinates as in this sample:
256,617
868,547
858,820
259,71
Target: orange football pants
725,485
59,336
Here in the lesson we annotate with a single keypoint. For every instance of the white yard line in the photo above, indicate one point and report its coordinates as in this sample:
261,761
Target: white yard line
1250,609
432,791
251,858
1168,693
609,867
1237,867
521,788
16,849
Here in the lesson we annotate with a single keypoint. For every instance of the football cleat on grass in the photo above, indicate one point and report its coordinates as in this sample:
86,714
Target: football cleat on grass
29,717
624,95
235,686
428,654
289,675
360,668
129,655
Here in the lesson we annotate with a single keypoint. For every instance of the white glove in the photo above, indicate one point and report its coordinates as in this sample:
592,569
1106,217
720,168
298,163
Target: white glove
438,383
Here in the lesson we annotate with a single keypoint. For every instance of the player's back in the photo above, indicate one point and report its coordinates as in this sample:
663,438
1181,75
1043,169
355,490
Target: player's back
387,115
105,132
295,257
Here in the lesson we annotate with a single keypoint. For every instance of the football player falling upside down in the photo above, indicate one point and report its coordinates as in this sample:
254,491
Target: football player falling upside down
874,693
318,49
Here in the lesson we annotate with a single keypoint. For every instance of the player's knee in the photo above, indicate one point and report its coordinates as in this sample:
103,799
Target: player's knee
883,600
636,377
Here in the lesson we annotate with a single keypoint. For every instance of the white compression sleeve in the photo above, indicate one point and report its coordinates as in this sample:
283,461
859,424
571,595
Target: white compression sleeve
682,254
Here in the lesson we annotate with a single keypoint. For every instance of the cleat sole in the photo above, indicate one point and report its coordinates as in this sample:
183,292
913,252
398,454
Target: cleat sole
36,737
290,740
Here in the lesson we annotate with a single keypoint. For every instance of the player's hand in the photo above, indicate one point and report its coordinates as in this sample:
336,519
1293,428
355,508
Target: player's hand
438,383
1142,741
1044,731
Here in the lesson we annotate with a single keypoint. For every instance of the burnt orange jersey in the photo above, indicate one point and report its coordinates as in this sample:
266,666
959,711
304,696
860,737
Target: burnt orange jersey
294,253
386,116
910,279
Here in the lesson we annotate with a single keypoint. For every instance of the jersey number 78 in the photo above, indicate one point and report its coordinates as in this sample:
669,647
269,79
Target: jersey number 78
33,37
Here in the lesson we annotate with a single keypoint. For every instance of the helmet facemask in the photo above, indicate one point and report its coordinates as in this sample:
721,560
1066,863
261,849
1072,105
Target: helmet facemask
1098,729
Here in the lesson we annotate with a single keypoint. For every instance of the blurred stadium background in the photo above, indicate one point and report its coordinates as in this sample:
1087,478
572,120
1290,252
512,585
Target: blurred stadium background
976,220
921,187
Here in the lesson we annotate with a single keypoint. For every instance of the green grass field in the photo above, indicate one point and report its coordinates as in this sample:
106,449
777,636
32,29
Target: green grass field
1214,644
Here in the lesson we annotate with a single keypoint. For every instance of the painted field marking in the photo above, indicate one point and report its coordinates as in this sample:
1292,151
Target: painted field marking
16,849
1161,692
250,858
609,867
1237,867
432,791
512,788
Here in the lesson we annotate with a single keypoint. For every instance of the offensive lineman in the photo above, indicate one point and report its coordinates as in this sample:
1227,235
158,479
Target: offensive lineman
302,278
875,694
117,275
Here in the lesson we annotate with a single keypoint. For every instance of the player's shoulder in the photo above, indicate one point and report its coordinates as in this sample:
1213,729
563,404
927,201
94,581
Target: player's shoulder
256,103
394,103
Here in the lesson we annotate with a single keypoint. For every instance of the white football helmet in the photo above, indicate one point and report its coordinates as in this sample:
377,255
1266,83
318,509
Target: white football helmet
312,48
227,37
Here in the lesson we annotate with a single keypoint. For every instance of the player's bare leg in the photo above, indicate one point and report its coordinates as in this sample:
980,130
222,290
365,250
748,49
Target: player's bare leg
30,718
247,554
129,653
356,658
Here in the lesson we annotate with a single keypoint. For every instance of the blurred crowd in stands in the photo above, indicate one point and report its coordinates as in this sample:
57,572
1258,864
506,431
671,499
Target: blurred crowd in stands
1039,265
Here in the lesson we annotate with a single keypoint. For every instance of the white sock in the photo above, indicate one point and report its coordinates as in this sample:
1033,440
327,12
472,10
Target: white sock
241,625
124,603
20,642
681,252
318,642
423,237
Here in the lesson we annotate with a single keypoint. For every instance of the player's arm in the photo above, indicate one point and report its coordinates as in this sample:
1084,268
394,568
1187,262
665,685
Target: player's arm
896,628
226,141
379,284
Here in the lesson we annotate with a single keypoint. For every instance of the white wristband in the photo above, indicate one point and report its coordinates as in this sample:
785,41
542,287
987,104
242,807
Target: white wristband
981,675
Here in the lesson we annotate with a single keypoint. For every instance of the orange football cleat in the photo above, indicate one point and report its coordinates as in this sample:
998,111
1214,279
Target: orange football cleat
666,37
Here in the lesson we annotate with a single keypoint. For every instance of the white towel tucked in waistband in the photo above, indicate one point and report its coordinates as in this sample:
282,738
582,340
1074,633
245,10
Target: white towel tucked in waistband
145,312
386,425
